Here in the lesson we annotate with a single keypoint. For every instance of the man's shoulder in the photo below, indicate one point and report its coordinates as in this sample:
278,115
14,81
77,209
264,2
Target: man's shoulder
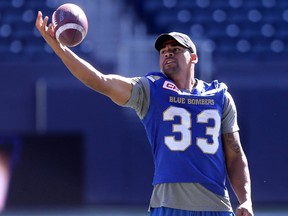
211,87
215,84
154,76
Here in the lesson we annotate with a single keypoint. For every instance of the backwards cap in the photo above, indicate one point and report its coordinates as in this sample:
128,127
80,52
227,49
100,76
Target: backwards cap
181,38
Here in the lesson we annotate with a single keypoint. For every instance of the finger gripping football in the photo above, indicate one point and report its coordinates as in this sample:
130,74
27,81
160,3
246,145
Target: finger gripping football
70,24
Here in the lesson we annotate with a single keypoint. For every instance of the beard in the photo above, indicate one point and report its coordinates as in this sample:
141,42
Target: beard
171,69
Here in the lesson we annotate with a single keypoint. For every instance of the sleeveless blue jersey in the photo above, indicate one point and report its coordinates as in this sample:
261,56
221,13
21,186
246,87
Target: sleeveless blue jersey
184,130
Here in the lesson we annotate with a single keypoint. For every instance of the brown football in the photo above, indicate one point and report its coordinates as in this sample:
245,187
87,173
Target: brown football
70,24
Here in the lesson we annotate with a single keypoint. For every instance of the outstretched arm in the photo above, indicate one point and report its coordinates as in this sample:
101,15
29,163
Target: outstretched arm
238,172
116,87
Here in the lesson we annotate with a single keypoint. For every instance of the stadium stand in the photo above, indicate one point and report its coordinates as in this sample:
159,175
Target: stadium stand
237,27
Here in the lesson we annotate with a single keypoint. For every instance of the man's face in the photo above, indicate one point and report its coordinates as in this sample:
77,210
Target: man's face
174,58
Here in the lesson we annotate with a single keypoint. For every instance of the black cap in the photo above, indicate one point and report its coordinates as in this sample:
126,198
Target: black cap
181,38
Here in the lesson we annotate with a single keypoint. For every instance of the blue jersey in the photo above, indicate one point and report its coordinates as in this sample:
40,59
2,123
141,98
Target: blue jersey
184,130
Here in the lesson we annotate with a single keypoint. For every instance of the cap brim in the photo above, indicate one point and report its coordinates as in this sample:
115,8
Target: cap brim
166,36
161,39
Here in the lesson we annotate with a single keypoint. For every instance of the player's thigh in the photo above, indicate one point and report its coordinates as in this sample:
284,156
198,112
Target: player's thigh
163,211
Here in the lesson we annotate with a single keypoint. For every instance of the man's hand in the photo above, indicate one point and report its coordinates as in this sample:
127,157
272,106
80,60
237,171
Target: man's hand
47,31
245,209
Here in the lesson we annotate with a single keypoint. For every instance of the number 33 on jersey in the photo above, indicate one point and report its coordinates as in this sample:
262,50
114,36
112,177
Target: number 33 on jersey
184,128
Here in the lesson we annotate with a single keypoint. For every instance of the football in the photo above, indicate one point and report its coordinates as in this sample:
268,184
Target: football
70,24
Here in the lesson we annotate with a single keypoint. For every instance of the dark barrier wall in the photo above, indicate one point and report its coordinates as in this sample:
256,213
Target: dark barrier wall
48,170
117,162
